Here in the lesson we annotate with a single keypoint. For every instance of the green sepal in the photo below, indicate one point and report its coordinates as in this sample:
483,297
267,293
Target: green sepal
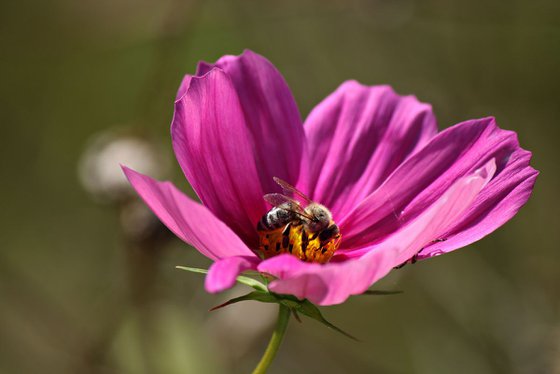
253,283
263,297
381,292
304,307
310,310
295,305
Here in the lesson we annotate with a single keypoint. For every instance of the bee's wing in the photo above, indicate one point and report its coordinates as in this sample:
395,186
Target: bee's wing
277,199
291,190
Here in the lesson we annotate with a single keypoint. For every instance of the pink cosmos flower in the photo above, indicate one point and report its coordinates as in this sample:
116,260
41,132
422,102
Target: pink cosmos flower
397,188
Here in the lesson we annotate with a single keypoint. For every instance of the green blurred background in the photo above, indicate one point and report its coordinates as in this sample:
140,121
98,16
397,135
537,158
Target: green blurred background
84,290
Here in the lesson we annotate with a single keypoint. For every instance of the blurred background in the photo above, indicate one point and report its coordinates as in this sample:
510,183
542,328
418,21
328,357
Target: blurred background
87,276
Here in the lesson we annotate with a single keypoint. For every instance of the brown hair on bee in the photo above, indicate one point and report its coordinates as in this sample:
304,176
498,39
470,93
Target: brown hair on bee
317,218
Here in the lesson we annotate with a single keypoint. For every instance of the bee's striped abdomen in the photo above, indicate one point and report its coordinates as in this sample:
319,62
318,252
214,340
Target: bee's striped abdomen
276,217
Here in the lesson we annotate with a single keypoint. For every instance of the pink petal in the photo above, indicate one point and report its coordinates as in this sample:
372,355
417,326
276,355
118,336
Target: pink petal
189,220
424,177
327,284
500,200
216,152
357,136
440,216
184,86
223,273
271,115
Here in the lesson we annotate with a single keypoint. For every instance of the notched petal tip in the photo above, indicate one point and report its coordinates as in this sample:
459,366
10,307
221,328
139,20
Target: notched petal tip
204,67
188,80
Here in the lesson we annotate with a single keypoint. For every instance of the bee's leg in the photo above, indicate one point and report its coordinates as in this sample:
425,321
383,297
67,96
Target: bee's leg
327,234
286,230
304,243
286,236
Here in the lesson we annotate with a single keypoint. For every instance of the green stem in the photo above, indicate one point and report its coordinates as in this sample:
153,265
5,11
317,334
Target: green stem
275,340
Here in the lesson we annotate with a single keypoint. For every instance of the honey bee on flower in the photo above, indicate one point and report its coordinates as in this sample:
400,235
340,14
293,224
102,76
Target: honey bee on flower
308,233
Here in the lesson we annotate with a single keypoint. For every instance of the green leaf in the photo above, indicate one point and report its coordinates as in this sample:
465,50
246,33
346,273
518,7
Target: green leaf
193,270
309,309
241,279
255,295
381,292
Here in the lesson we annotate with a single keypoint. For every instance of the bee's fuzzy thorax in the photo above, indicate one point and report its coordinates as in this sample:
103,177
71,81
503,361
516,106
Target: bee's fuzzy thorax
322,217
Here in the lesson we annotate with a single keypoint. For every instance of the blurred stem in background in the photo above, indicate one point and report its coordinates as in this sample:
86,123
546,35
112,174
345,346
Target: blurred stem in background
142,235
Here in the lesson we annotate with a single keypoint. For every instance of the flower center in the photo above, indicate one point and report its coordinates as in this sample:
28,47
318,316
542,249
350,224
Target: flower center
285,230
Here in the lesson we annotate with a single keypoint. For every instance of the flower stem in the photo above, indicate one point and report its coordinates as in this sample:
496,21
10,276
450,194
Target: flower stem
275,340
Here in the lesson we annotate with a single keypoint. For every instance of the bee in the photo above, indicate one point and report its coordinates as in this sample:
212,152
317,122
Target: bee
306,231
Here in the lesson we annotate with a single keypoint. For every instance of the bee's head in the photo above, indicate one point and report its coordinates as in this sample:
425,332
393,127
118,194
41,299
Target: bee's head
321,217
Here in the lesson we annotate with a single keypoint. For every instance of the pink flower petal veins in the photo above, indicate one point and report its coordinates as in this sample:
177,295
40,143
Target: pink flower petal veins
359,135
236,126
497,203
440,216
424,177
271,116
189,220
213,146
